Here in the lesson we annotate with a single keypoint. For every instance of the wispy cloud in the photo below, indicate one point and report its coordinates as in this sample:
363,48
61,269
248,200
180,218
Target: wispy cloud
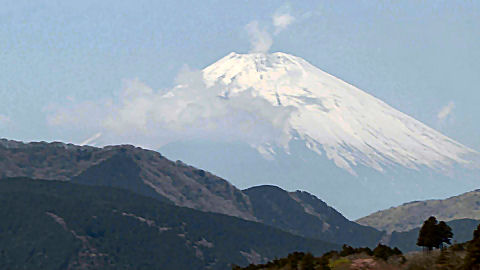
281,21
260,38
151,118
446,111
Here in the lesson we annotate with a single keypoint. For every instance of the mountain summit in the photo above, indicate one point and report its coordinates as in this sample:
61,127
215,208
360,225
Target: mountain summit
312,131
333,117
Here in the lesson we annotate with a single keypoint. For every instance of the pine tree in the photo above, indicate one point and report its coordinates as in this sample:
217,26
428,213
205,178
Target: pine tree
444,233
434,234
426,236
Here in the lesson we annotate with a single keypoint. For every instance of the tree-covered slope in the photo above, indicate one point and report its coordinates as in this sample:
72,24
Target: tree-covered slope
59,225
304,214
117,171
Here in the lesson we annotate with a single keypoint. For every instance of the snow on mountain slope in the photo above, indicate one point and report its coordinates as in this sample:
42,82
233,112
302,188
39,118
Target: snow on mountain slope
333,117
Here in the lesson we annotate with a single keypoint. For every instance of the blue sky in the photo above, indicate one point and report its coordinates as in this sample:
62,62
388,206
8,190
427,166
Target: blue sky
421,57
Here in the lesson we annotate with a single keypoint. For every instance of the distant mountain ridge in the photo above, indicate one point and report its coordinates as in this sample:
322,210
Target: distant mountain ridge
411,215
150,174
306,129
55,161
181,184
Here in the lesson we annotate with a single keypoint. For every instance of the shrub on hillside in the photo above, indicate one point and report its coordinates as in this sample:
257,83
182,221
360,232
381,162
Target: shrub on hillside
472,260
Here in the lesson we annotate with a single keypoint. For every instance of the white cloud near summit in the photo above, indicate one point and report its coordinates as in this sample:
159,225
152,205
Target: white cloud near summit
143,116
260,38
281,21
190,111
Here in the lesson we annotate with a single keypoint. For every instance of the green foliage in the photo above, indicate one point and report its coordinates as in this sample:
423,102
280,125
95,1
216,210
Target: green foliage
339,262
348,250
330,260
384,252
383,258
434,234
295,260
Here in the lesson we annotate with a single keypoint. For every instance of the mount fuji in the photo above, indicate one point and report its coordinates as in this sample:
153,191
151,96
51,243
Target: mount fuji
330,138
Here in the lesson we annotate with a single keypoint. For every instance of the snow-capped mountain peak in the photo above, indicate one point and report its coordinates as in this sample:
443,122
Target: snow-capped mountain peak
335,118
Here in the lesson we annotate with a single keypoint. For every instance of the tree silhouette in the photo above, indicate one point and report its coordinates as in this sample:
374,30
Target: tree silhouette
426,234
434,234
347,250
384,252
444,233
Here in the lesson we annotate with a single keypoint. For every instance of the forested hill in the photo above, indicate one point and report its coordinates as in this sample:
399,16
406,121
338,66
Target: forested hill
60,225
148,173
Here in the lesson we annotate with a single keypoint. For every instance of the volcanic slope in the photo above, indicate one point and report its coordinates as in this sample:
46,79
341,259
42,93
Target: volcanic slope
333,117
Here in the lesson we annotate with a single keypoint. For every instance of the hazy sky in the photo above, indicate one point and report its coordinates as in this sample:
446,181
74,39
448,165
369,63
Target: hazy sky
421,57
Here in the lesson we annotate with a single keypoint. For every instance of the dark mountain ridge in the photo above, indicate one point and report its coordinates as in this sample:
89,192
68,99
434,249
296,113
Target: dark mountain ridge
150,174
61,225
144,170
304,214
